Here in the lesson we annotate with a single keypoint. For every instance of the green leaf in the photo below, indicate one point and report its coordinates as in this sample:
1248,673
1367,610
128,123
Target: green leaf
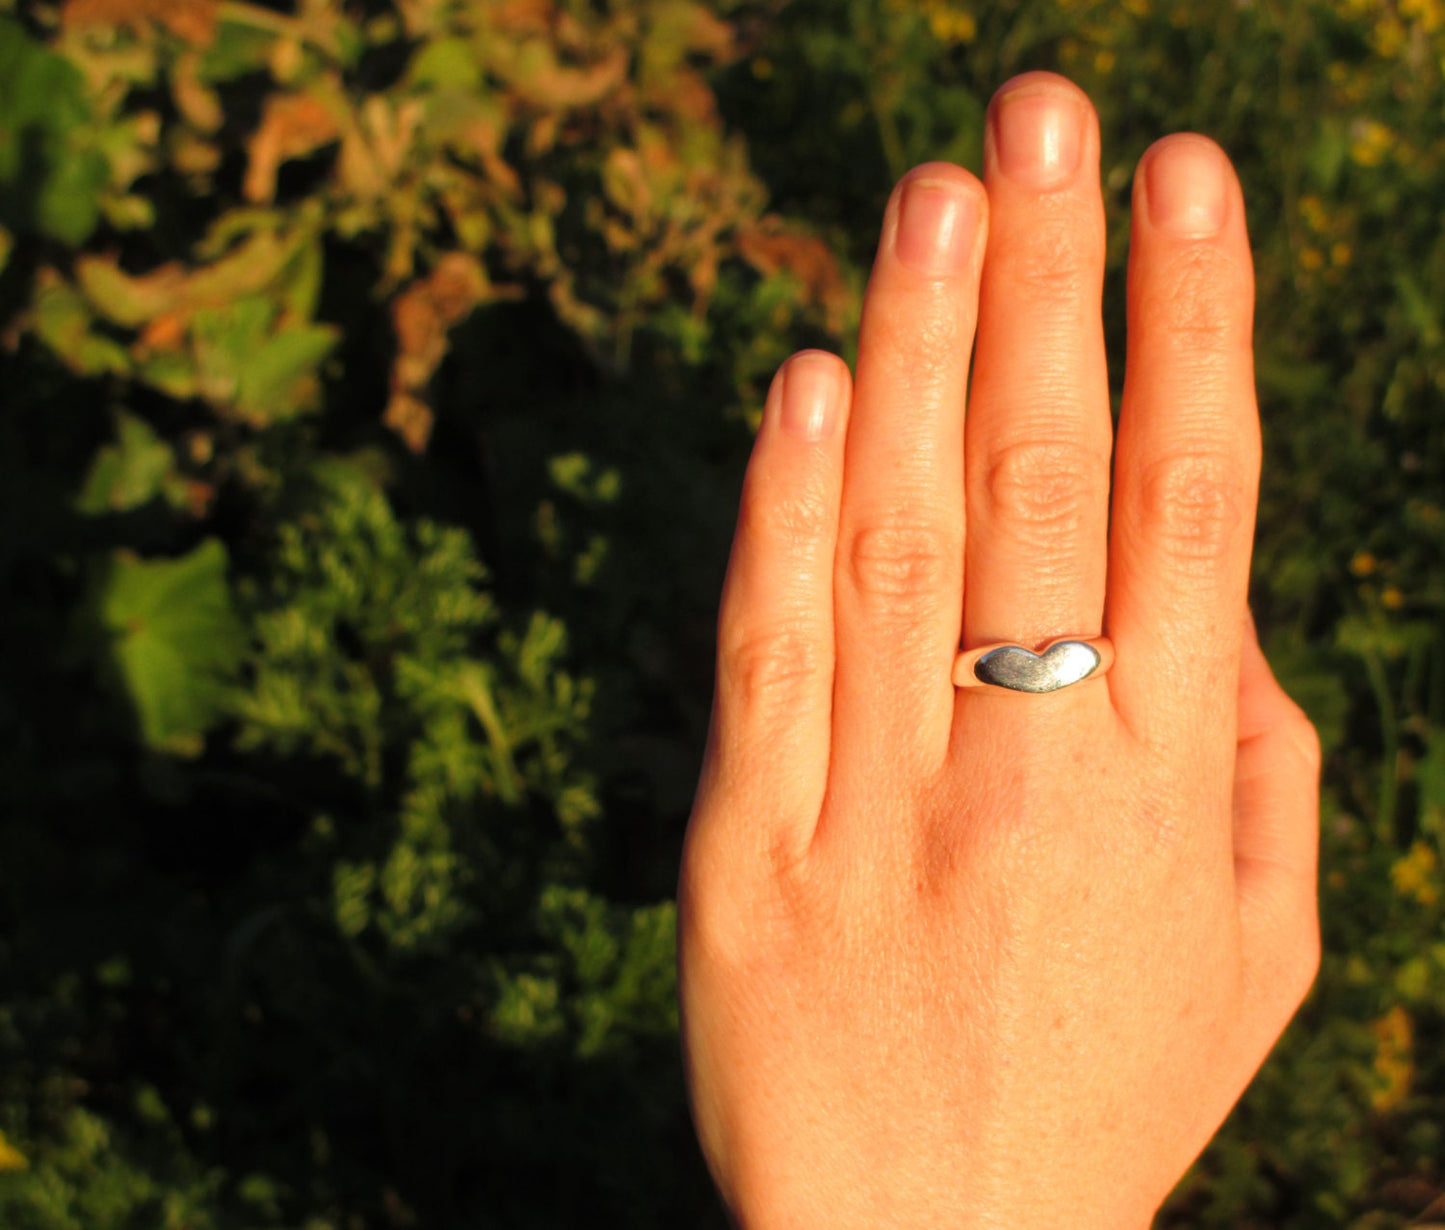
131,472
174,374
448,63
1419,311
1430,774
67,205
238,49
247,363
174,640
51,176
1329,153
62,320
274,377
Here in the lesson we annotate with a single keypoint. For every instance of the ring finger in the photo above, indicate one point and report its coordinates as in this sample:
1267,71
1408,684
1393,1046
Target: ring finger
1038,431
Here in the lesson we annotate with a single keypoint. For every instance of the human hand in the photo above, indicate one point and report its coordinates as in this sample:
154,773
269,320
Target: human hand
968,958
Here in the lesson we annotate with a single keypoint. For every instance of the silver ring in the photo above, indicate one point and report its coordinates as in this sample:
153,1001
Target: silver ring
1012,668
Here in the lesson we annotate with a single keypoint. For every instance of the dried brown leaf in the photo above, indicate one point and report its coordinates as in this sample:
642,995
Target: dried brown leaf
292,126
166,332
710,34
687,95
127,300
769,248
420,337
457,284
522,16
199,497
626,183
420,317
411,419
199,105
286,60
193,21
539,79
421,18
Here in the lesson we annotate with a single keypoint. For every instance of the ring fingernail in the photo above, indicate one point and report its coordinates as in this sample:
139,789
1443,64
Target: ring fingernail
810,397
937,223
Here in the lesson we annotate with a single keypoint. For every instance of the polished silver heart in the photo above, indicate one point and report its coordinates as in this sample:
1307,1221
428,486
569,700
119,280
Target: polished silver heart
1020,669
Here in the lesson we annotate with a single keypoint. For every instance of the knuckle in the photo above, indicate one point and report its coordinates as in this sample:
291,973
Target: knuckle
929,338
1051,261
765,671
1195,505
1199,302
791,515
1045,486
902,560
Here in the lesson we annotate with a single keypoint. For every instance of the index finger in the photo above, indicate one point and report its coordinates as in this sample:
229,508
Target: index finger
1186,470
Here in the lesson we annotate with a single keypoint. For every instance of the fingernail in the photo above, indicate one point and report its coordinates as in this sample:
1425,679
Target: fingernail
810,396
937,225
1038,138
1186,183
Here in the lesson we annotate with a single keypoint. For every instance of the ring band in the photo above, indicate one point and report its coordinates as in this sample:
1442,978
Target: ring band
1012,668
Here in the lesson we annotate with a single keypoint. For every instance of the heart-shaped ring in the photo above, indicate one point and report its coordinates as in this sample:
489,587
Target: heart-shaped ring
1013,668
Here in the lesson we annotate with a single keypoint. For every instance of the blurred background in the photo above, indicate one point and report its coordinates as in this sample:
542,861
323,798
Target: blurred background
377,379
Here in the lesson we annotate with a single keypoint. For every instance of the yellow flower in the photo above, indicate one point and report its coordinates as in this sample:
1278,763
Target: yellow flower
1363,564
1104,61
10,1157
1311,258
1140,8
1389,36
1313,211
1414,875
1372,140
1429,13
1392,599
951,26
1341,253
1394,1039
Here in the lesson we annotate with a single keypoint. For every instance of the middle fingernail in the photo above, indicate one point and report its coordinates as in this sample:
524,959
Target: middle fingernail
937,226
1038,138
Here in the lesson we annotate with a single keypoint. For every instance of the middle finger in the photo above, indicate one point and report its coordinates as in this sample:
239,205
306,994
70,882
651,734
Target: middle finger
1039,432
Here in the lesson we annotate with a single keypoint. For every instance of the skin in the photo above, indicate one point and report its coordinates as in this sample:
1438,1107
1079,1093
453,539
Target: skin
969,959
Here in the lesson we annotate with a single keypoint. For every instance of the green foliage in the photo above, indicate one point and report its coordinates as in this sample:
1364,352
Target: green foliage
172,638
130,473
86,1181
51,171
375,636
378,380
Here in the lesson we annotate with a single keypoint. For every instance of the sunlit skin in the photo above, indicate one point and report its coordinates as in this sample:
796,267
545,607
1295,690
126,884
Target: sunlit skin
960,958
